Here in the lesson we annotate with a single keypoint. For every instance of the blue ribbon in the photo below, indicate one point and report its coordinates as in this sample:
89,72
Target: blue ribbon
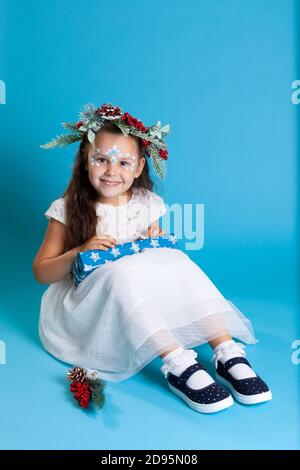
87,261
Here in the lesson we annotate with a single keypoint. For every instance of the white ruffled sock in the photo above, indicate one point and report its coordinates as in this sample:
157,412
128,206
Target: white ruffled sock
229,349
178,360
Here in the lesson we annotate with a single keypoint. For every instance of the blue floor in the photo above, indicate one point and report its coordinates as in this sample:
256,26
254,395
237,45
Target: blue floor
226,93
37,411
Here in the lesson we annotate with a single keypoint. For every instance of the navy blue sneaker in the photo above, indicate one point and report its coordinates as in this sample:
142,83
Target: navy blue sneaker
209,399
246,391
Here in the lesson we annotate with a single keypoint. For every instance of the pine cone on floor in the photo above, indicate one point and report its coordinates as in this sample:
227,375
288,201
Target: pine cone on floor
76,374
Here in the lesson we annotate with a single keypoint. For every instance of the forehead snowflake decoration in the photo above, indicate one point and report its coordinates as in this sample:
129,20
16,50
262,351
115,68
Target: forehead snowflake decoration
91,119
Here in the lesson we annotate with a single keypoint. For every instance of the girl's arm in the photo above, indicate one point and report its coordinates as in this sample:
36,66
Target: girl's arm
51,264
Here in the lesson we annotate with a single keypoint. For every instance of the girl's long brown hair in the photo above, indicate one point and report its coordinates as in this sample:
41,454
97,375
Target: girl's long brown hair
80,196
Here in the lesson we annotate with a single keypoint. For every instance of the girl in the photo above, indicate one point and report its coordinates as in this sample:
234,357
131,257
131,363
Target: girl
157,302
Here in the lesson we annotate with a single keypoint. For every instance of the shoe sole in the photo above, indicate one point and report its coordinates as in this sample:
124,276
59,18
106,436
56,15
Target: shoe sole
245,399
202,407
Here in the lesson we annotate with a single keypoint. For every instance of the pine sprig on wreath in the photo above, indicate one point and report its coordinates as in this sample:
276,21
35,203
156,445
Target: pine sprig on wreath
71,126
98,396
87,112
62,140
158,164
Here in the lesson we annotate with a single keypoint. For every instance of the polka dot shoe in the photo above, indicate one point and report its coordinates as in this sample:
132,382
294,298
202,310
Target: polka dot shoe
246,391
209,399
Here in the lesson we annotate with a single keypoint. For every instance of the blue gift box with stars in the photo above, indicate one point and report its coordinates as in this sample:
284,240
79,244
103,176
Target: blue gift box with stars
86,262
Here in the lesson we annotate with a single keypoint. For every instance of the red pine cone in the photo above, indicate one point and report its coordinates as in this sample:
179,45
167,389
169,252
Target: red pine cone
131,121
79,124
163,154
82,392
109,110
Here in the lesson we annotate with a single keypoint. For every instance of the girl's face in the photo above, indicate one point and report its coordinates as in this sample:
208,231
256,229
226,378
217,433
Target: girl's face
113,163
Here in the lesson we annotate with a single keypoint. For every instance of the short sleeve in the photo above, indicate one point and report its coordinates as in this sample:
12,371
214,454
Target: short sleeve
57,210
157,207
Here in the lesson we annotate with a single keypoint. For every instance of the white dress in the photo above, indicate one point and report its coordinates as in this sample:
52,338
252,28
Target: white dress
127,312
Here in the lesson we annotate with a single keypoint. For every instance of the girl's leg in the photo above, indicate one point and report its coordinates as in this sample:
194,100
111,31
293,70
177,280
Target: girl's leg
177,359
165,340
226,348
192,383
215,342
169,350
236,373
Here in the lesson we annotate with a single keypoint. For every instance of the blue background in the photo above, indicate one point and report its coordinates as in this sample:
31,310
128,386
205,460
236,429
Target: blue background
220,72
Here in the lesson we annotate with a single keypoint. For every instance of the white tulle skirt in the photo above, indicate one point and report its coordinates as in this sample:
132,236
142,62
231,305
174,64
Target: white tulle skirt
126,313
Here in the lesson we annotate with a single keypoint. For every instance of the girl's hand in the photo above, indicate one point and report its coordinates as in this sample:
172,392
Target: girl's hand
153,230
98,242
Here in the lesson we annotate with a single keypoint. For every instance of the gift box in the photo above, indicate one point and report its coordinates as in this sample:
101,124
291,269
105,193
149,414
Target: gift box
86,262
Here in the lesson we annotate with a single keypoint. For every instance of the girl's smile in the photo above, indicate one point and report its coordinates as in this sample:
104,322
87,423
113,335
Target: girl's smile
110,183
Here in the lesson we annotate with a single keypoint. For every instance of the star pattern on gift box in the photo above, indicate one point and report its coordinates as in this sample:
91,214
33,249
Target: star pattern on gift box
88,267
115,251
154,243
172,238
94,256
135,247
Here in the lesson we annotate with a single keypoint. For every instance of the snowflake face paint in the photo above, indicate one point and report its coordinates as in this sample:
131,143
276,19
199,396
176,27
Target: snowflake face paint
100,158
113,163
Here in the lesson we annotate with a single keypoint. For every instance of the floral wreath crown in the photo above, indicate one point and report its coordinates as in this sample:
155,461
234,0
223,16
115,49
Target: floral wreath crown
91,119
